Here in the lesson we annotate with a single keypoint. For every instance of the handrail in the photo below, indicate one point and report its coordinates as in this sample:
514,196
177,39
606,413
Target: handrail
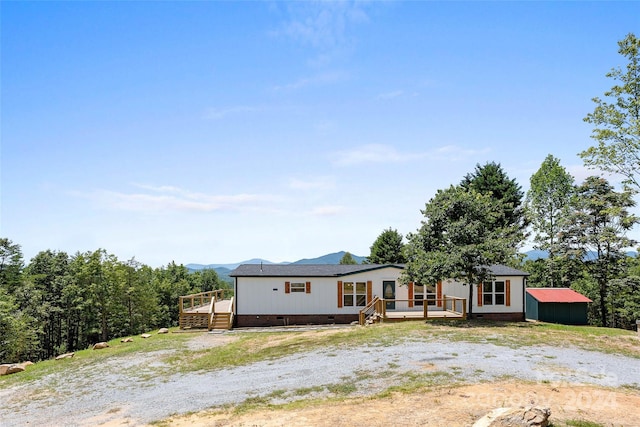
368,310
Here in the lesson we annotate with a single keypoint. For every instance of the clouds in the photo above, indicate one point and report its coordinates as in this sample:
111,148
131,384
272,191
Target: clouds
170,199
321,25
381,153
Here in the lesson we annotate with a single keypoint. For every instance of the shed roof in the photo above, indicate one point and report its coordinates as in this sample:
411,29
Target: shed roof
557,295
334,270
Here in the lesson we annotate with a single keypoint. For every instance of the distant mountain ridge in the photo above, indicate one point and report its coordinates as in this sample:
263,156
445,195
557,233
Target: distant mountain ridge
223,270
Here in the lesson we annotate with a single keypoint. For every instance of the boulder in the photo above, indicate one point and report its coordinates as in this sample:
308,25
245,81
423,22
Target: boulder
4,368
14,369
163,331
65,356
530,416
126,339
100,345
145,335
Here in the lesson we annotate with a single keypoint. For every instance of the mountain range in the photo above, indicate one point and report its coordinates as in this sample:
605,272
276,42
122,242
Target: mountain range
223,270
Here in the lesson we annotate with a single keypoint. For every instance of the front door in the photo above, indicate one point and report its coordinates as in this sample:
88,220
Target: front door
389,292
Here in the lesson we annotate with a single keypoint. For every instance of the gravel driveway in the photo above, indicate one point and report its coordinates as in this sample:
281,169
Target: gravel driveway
89,396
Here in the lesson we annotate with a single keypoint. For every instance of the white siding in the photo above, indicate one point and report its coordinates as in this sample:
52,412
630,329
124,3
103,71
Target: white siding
266,295
457,289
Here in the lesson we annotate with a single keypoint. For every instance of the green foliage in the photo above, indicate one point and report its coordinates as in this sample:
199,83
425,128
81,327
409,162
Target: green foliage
616,119
11,265
492,180
347,258
461,237
387,249
60,303
624,295
547,208
596,234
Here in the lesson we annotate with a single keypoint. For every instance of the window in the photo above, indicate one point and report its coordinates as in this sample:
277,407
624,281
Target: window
424,292
493,293
354,294
298,287
301,287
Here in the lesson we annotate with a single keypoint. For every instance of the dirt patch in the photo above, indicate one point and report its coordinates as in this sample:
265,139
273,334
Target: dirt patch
455,406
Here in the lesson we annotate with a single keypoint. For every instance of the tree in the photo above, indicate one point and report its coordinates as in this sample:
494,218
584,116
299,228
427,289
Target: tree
625,301
596,234
347,259
547,205
462,235
491,180
617,122
11,264
387,249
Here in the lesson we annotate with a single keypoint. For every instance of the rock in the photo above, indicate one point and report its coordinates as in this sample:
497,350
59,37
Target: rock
163,331
529,416
65,356
14,369
100,345
354,323
4,368
126,339
145,335
27,363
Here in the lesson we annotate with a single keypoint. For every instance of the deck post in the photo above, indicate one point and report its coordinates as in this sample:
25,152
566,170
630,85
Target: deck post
464,309
425,309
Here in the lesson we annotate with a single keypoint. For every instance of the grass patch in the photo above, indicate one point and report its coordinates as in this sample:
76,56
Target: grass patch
582,423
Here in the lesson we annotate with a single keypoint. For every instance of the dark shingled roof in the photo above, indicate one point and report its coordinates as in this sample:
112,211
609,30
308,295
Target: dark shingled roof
503,270
305,270
334,270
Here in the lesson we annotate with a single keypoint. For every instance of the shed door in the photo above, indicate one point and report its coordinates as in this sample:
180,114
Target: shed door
389,292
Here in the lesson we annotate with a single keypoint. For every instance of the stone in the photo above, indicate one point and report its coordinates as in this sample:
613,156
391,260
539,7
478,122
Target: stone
4,368
126,339
529,416
163,331
14,369
100,345
145,335
65,356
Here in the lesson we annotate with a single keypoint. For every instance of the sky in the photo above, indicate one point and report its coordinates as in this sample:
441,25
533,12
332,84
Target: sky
216,132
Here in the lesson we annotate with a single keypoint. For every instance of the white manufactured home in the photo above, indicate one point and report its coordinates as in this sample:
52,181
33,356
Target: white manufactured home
280,295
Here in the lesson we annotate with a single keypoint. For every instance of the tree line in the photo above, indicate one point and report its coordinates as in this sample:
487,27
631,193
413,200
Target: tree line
59,303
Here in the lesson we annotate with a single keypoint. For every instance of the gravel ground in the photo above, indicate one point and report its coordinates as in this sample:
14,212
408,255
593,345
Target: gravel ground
125,388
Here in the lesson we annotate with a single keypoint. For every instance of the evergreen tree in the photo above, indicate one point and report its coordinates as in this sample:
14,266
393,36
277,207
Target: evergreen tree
387,249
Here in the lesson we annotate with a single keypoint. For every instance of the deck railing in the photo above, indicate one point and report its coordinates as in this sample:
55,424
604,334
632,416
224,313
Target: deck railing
190,317
201,299
420,308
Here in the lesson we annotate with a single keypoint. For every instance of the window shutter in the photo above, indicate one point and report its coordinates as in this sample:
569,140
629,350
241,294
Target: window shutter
369,291
439,293
308,288
339,293
479,294
287,287
507,297
410,294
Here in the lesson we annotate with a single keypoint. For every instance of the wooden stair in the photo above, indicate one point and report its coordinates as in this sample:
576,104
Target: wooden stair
220,321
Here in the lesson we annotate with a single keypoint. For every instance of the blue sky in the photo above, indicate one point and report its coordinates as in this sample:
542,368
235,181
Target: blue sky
215,132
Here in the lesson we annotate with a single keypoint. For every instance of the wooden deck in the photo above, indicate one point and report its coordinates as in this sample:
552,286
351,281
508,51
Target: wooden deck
210,310
381,310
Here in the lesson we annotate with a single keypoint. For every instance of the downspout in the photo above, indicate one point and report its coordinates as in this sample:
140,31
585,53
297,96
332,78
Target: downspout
524,296
235,299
